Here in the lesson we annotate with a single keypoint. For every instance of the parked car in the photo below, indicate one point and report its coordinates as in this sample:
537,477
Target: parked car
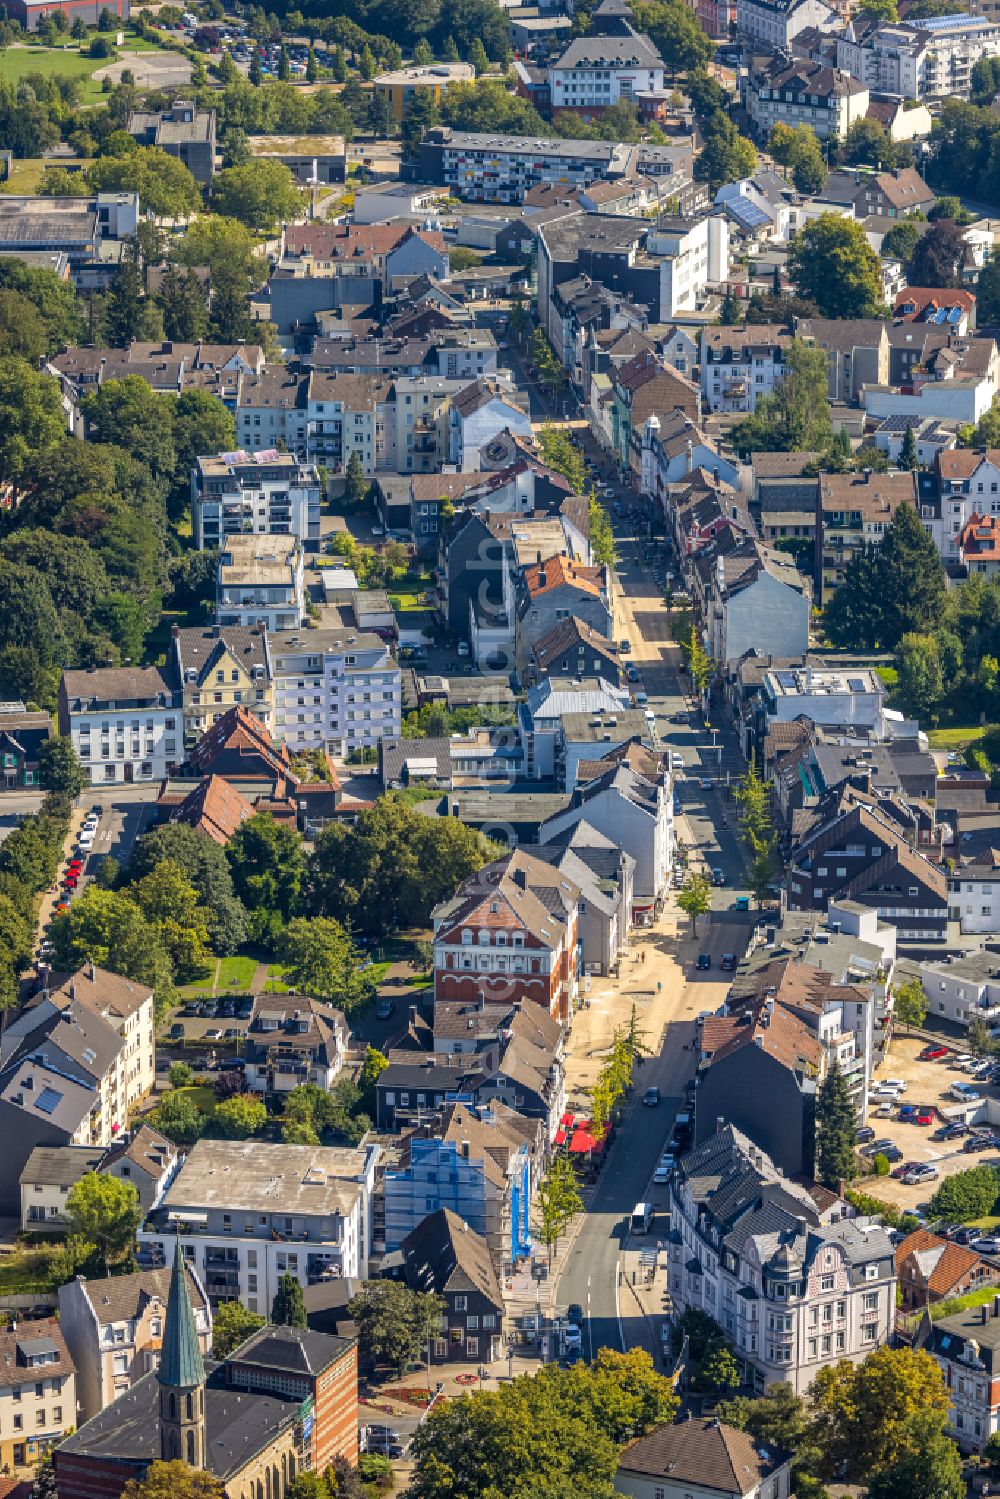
384,1009
574,1313
964,1092
933,1053
951,1131
908,1113
863,1134
925,1114
704,961
896,1083
718,876
986,1245
882,1147
728,962
661,1175
924,1172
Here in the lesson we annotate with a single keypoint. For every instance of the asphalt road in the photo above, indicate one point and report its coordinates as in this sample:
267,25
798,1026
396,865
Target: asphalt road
591,1274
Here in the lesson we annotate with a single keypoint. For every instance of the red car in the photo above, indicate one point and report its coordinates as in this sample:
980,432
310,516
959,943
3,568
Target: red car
925,1115
70,882
61,907
933,1053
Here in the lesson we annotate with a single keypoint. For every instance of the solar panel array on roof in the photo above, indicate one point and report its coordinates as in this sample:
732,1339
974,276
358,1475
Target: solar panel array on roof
941,23
786,679
747,213
48,1100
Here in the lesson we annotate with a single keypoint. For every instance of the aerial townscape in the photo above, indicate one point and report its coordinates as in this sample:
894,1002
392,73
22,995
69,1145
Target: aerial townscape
500,749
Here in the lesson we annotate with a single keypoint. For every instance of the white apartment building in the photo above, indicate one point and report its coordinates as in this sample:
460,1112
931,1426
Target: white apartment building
974,898
739,365
125,722
964,990
501,168
794,1288
826,99
248,1213
595,71
262,493
772,24
261,581
931,58
694,254
969,483
341,689
128,1008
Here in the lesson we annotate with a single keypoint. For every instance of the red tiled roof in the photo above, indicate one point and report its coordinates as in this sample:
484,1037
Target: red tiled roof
562,571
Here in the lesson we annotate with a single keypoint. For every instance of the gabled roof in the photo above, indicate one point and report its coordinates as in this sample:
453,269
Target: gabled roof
560,572
239,732
704,1454
199,650
122,1298
214,808
567,635
944,1266
444,1254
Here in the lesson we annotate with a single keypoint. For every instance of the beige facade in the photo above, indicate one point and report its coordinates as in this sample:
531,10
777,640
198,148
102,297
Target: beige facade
128,1009
114,1331
37,1392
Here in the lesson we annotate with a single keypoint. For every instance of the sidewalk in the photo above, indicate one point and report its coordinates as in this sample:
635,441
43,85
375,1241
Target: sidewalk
50,898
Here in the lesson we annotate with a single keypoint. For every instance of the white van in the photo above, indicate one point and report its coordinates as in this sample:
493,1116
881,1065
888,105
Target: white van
642,1217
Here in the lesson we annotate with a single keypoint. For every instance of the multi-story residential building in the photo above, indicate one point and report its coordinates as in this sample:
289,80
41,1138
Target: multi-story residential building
479,1166
219,667
974,895
859,850
627,797
128,1008
755,598
144,1158
398,88
500,168
510,931
673,446
262,493
857,349
854,511
444,1256
292,1040
572,648
477,416
261,582
739,365
247,1213
323,267
596,71
556,589
22,735
183,131
37,1391
966,1347
125,722
336,688
114,1330
63,1081
640,389
780,92
770,25
761,1064
796,1287
969,483
930,58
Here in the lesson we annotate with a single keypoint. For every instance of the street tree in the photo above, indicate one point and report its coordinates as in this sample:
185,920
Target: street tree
862,1412
288,1309
105,1211
559,1201
395,1323
753,799
930,1467
832,264
720,1370
910,1003
979,1038
695,898
698,661
59,767
836,1123
232,1324
261,195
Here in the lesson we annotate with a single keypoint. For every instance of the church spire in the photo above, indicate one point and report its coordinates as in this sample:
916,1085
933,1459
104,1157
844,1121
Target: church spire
181,1377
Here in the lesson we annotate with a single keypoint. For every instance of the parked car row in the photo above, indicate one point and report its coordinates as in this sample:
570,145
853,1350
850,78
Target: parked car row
74,871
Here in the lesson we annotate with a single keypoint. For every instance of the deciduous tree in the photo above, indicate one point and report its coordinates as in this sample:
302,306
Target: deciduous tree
232,1324
559,1201
695,898
832,264
105,1210
394,1323
288,1309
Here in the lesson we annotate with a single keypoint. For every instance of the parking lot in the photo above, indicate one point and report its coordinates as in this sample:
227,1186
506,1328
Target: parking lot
927,1083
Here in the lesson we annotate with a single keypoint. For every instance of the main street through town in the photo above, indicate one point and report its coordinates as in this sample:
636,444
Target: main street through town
597,1273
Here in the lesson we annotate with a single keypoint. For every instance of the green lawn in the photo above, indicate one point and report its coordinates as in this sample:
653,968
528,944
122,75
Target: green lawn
377,971
955,1304
201,1095
276,979
59,62
25,1271
956,739
226,976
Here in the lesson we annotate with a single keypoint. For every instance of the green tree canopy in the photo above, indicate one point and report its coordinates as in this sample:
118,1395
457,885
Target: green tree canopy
836,1123
967,1195
288,1309
232,1324
795,416
726,156
395,1323
889,591
261,194
832,264
324,963
105,1211
165,186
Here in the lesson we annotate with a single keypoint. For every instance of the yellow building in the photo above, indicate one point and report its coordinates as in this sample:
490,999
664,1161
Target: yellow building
398,87
220,666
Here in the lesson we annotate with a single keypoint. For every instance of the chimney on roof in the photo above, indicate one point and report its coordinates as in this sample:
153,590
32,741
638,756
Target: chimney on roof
413,1014
216,631
520,879
985,1315
866,475
175,630
720,1123
72,988
996,1306
92,971
465,1150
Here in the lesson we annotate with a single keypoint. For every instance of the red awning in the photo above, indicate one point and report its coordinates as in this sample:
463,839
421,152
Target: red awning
584,1142
560,1138
567,1121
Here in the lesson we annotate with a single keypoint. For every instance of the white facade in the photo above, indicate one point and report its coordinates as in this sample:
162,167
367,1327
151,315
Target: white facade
960,497
248,1213
829,112
771,24
818,1293
642,826
125,723
964,400
695,255
924,59
261,581
269,493
469,434
340,689
616,68
746,371
963,990
974,899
